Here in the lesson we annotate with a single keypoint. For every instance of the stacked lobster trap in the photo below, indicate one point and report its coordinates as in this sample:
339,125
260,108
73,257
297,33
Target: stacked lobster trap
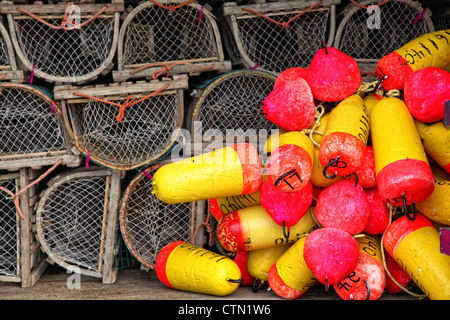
65,43
275,36
76,221
169,36
370,29
8,63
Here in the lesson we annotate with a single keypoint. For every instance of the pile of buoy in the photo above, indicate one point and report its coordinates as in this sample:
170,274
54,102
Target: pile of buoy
352,193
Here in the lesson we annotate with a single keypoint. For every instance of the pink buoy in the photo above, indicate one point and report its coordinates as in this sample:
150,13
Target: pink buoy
290,74
333,75
426,92
331,254
379,212
366,173
290,105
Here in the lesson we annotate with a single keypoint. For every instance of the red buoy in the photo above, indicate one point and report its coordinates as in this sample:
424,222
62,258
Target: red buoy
379,212
333,75
286,208
331,254
290,105
241,260
396,272
426,92
343,205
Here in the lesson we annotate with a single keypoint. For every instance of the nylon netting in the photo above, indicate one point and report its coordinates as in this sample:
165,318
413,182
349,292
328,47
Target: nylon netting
71,221
4,59
26,125
275,48
65,53
396,28
156,34
147,224
232,103
9,232
145,132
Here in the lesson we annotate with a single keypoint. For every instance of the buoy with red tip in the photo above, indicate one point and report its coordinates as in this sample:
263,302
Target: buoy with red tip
426,92
259,262
366,173
415,245
331,254
221,206
289,277
368,280
343,205
436,142
403,174
429,50
317,179
290,74
397,273
333,75
253,228
289,166
233,170
379,213
286,208
241,259
342,148
182,266
290,105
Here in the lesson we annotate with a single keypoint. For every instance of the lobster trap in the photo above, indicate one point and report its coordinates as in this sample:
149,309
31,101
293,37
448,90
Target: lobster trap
32,131
65,43
230,106
368,30
147,224
275,36
173,36
76,221
8,63
114,129
21,259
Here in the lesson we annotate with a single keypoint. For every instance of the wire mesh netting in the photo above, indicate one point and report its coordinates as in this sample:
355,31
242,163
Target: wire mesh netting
232,102
65,53
27,126
4,58
275,48
156,34
389,30
147,224
9,232
72,221
145,133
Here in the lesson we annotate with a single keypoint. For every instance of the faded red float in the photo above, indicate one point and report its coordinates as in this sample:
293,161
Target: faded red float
379,212
343,205
366,173
241,260
291,74
333,75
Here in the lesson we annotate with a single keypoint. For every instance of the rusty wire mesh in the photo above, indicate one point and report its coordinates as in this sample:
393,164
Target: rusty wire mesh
146,132
394,30
9,232
65,53
147,224
71,221
156,34
27,126
232,102
275,48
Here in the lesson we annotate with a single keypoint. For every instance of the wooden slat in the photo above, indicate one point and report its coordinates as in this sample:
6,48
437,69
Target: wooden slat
8,8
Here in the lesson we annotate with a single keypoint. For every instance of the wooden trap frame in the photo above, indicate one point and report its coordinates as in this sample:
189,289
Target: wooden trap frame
65,43
32,129
76,221
147,224
231,101
8,63
173,36
124,126
390,25
21,259
275,36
